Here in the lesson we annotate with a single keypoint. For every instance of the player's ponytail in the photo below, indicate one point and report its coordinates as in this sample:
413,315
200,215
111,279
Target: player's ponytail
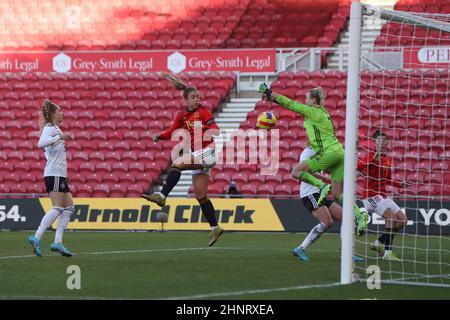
318,95
48,109
179,85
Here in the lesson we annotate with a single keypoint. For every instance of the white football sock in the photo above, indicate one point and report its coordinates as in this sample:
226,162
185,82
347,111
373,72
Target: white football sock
162,195
63,221
313,235
48,220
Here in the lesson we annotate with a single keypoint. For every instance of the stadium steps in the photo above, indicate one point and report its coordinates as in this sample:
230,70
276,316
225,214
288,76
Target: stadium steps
229,119
370,32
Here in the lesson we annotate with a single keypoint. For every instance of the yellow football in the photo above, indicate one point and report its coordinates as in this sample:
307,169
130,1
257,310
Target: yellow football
266,120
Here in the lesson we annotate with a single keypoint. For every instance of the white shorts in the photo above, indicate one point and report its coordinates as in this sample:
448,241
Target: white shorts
379,205
207,158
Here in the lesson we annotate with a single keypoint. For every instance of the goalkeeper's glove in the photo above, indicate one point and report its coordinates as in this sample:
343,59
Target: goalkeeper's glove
264,89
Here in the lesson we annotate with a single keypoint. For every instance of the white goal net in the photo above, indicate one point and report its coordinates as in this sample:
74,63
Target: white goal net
404,86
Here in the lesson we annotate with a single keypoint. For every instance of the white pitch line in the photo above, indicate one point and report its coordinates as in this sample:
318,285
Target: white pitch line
122,252
18,257
159,250
198,296
257,291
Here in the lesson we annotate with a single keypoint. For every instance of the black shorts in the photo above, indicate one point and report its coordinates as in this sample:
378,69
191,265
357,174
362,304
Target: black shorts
310,202
56,184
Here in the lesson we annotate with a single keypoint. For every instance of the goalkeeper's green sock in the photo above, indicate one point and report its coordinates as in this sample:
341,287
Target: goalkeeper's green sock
340,201
309,178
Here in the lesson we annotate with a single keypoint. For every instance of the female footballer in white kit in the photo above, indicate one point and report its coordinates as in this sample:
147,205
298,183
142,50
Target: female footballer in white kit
52,140
330,210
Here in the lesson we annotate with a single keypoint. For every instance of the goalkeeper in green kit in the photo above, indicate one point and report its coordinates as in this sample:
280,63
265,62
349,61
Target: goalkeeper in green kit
329,155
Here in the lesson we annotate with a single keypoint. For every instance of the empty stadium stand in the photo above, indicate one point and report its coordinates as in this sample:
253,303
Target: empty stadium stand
112,117
396,34
169,25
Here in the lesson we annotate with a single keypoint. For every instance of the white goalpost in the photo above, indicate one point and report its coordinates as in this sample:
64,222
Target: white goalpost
400,86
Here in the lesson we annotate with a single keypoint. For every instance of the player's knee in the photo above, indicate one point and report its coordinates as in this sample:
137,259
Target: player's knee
69,210
200,194
400,218
388,215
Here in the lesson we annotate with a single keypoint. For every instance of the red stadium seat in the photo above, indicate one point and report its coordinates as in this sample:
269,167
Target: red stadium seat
152,167
433,178
119,168
441,166
77,178
103,168
274,179
266,189
86,168
217,188
247,189
127,178
94,179
222,177
283,190
117,191
136,168
101,191
135,190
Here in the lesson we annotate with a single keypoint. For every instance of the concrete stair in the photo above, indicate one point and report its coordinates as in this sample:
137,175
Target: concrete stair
369,33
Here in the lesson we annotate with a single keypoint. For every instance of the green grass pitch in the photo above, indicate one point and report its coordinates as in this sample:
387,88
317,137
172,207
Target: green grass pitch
179,265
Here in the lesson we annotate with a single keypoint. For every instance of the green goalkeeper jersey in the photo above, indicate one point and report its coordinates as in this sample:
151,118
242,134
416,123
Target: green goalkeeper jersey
318,124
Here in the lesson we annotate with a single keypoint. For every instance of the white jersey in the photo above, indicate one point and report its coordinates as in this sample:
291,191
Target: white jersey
55,151
307,189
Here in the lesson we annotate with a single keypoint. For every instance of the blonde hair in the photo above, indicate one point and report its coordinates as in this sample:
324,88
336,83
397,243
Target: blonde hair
48,110
318,95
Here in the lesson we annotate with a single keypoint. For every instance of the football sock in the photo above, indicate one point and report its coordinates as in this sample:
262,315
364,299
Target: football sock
313,235
309,178
48,220
389,239
382,238
208,211
63,221
171,181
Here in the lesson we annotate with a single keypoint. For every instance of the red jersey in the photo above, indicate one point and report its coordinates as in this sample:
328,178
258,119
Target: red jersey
379,175
197,121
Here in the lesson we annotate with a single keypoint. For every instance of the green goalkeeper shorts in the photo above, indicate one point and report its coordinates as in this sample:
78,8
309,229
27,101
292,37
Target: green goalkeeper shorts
331,160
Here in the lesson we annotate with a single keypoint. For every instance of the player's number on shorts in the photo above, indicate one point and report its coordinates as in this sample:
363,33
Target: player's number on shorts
12,214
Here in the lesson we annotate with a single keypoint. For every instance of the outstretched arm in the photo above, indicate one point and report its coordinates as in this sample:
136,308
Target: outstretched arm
285,102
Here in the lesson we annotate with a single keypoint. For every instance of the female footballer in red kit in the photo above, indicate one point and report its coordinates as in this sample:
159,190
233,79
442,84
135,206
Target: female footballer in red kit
195,119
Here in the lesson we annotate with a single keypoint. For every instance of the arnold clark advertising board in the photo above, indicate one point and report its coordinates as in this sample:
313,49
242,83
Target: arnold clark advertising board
424,217
254,60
